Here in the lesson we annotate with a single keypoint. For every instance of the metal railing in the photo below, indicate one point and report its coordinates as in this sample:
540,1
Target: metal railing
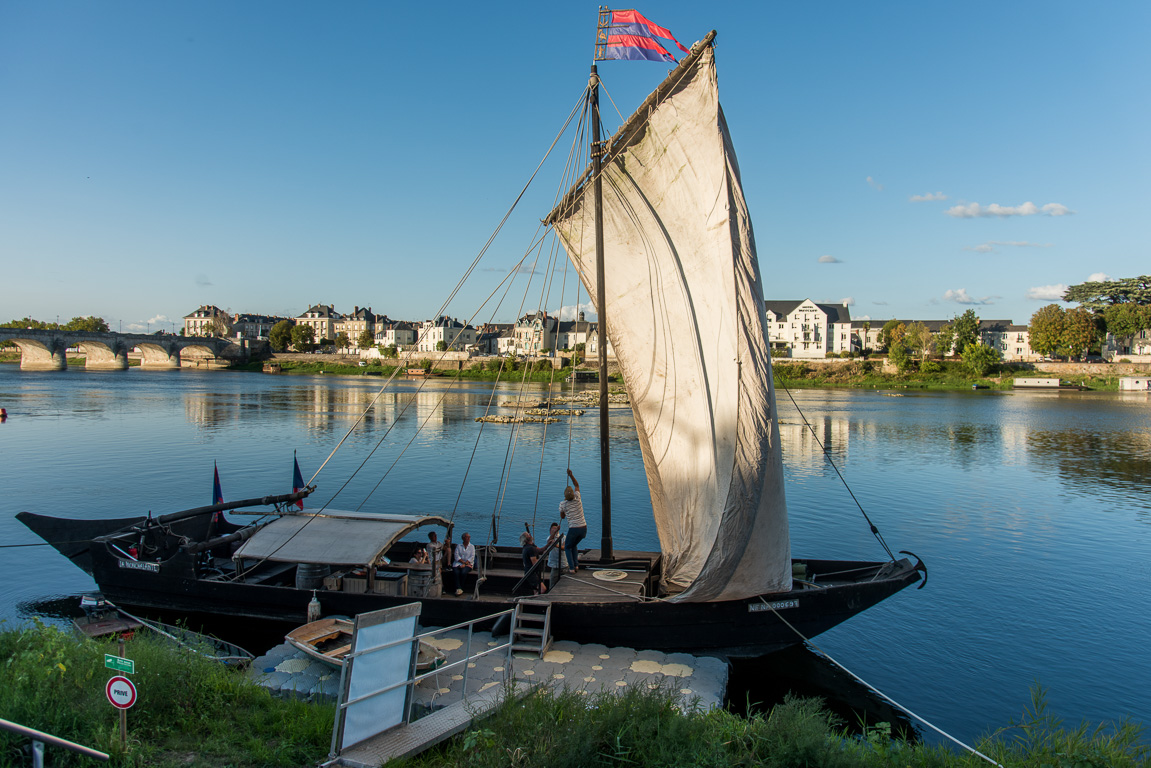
415,679
39,739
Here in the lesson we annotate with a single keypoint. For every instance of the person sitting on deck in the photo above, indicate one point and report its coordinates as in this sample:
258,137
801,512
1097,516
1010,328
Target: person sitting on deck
531,553
571,509
464,561
419,557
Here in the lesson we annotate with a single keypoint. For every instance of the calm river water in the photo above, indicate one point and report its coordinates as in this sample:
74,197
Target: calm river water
1031,510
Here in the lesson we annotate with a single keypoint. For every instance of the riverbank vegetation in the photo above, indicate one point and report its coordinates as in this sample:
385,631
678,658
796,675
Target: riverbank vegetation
648,728
930,374
190,712
489,369
193,712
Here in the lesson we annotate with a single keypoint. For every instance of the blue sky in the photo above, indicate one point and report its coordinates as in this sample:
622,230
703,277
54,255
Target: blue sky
265,156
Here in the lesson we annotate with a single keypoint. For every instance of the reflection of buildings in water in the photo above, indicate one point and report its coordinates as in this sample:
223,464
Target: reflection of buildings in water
1013,443
802,449
210,410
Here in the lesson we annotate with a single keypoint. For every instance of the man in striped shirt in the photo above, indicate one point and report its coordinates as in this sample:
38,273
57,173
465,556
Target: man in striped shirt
571,509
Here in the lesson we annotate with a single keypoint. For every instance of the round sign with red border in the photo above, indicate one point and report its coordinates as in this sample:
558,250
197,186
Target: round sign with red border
121,692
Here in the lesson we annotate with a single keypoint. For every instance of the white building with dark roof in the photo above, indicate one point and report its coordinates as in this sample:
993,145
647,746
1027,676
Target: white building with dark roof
807,329
395,333
322,318
456,336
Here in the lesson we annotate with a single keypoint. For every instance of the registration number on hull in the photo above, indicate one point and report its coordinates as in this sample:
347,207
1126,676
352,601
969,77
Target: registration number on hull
778,605
139,565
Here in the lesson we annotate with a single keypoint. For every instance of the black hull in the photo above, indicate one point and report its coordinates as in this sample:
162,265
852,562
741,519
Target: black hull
734,629
730,629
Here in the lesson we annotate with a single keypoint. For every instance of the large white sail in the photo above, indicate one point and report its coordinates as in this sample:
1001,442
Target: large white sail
686,321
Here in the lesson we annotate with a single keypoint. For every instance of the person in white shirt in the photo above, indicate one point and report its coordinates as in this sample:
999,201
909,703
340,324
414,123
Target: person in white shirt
571,509
464,561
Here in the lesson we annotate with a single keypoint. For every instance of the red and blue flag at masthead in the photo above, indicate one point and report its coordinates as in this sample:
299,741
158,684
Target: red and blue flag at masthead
297,479
629,35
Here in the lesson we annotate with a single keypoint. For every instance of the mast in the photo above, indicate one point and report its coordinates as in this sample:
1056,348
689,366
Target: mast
606,553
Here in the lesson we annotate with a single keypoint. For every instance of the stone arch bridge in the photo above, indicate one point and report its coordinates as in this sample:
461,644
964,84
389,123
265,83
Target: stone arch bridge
42,350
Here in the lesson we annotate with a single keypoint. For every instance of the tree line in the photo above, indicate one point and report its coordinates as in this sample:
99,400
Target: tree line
88,324
904,343
1119,307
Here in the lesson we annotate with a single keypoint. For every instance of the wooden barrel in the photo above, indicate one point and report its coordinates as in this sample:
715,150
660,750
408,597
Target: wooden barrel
311,576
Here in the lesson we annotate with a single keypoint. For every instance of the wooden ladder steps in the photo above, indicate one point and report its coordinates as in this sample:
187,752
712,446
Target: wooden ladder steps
532,639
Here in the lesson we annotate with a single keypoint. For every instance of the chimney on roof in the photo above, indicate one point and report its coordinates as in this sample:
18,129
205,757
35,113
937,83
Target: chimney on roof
581,317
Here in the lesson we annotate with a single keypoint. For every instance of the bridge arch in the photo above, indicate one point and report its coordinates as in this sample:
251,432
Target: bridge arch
104,356
156,355
48,354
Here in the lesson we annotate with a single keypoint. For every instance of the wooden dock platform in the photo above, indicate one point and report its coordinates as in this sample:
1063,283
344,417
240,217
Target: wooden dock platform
412,738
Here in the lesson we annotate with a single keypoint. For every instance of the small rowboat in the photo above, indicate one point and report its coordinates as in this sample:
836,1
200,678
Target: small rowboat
330,641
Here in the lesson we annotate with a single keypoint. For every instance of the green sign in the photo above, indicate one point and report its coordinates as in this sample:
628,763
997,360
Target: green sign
119,663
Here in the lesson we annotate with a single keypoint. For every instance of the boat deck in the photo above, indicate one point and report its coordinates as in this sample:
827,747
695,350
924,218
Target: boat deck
585,586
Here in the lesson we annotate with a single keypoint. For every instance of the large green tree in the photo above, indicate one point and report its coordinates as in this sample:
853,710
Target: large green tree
890,332
303,338
919,339
343,341
281,335
980,358
365,339
1080,332
897,353
945,340
1128,319
1046,330
966,330
1097,296
90,324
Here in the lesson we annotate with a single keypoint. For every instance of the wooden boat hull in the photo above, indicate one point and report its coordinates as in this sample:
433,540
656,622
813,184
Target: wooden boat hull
734,628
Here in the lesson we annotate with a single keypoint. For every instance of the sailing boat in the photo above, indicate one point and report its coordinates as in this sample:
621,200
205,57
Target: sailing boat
659,232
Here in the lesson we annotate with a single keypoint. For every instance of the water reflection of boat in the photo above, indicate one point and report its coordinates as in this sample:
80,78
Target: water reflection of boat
681,302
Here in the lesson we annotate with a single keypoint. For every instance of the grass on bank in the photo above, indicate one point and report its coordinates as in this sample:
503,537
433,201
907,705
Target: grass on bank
647,728
191,712
196,713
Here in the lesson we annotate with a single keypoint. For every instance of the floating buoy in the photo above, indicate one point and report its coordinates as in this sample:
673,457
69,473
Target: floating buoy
3,414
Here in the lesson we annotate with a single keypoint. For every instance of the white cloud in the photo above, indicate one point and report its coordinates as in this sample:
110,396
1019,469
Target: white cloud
828,259
1047,292
929,197
975,210
863,317
571,312
960,296
848,301
989,246
1098,277
874,185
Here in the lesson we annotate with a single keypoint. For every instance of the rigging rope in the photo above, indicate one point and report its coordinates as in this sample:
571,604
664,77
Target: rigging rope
471,268
878,692
874,530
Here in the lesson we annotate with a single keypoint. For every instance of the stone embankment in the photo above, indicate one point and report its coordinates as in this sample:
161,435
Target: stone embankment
518,419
